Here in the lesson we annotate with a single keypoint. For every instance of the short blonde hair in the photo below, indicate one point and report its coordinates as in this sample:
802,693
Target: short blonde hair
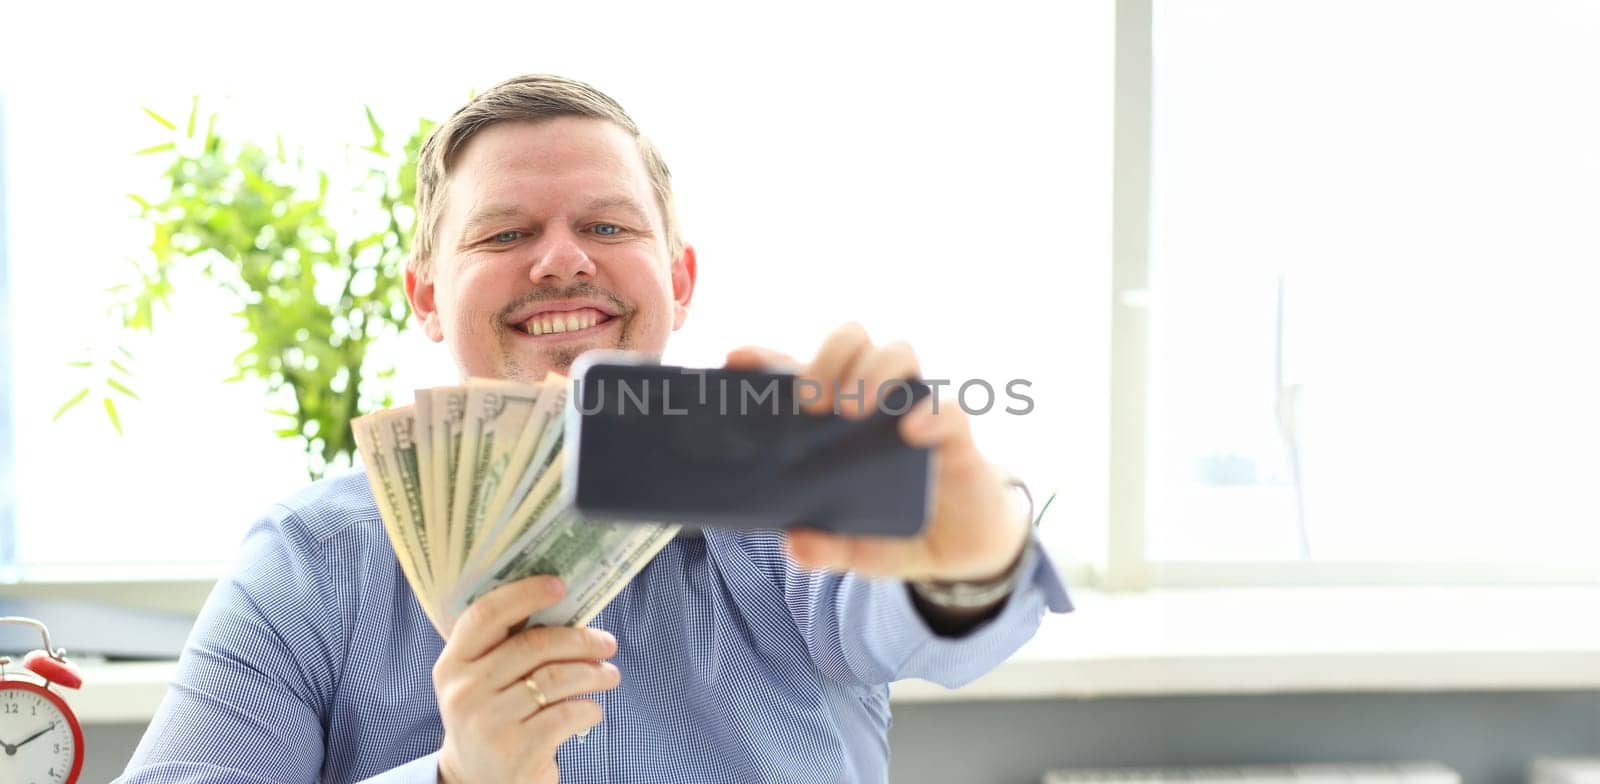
521,98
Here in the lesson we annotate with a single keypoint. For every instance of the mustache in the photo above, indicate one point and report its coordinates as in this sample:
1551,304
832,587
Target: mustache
581,289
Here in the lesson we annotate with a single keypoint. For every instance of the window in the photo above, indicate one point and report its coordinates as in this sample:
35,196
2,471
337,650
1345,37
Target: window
941,175
7,488
1373,270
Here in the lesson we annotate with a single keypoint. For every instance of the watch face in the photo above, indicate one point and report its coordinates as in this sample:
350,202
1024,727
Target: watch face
38,743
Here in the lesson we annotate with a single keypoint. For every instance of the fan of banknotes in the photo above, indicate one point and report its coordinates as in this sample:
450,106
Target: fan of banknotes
468,481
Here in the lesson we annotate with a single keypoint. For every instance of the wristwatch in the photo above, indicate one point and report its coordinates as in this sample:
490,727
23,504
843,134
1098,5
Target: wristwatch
973,594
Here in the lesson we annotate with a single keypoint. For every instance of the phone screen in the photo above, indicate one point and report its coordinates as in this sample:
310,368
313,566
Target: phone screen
730,448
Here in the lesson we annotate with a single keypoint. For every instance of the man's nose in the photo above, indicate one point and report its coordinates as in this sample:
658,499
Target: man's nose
560,255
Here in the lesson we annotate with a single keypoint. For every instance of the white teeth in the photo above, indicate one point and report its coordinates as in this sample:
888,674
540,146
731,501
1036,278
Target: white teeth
550,324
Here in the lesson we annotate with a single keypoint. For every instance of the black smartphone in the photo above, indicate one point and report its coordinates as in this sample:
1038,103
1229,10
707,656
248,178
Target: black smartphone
730,448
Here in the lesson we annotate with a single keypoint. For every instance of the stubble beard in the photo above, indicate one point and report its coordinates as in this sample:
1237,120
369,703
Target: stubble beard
560,358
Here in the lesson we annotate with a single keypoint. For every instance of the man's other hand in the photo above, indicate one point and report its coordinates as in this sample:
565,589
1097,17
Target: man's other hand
506,701
973,533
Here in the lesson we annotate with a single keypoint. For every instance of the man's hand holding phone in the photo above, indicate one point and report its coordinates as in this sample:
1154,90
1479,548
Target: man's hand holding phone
973,532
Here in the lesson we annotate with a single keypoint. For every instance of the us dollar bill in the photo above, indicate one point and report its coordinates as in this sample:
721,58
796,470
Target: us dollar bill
447,412
595,561
496,411
394,507
537,447
468,483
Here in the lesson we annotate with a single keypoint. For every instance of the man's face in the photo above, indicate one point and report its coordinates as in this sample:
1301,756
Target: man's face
550,244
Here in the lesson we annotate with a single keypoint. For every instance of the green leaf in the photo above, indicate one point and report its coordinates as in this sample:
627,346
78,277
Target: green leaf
139,200
194,109
281,158
155,148
117,385
76,399
377,132
80,363
158,118
119,366
111,412
125,352
211,132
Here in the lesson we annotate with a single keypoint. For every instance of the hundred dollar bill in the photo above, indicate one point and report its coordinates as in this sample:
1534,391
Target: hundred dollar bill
423,437
383,474
596,561
537,447
541,505
496,412
447,411
396,439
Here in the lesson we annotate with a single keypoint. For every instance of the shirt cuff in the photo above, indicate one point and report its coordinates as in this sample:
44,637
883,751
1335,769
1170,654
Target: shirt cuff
955,661
422,770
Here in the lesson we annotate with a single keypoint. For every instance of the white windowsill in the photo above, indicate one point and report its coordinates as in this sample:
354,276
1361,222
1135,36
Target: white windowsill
1278,640
1211,641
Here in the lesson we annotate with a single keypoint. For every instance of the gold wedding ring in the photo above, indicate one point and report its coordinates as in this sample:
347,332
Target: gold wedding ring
538,693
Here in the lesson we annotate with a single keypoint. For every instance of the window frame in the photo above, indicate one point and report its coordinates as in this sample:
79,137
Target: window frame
8,533
1127,565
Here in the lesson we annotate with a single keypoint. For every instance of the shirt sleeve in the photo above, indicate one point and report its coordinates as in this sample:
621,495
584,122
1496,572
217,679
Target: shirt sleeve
868,632
256,675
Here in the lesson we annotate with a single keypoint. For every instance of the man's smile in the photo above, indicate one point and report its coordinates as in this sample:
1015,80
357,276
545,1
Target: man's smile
564,320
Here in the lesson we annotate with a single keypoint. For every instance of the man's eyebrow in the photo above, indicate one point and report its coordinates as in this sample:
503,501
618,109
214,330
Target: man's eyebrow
488,215
617,202
496,213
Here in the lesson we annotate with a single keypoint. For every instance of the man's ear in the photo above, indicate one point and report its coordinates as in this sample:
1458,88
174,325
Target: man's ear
683,278
419,290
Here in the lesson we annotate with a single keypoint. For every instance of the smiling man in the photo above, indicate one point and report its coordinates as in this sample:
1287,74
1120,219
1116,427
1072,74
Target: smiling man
546,228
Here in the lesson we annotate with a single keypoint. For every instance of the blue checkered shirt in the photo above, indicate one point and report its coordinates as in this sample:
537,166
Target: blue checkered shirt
312,662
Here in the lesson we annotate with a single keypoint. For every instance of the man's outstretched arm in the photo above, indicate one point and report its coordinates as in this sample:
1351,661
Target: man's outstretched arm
847,592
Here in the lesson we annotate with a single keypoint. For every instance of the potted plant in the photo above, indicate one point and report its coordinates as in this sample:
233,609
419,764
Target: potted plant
313,294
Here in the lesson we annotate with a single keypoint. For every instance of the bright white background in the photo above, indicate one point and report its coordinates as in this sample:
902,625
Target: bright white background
1422,177
940,173
1425,175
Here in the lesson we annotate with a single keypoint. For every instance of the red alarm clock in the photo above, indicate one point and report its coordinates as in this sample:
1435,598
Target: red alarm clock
41,741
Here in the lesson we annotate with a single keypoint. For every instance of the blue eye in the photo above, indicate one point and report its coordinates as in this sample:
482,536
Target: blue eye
615,229
506,236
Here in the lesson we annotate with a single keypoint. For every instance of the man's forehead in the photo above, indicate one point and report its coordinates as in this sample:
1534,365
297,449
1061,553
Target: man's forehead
516,164
547,146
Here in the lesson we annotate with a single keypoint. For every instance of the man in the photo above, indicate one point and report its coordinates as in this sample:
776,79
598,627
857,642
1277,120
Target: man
732,657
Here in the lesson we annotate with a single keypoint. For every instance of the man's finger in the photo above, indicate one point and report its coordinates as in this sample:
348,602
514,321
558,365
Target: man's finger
922,427
894,362
759,358
530,648
551,726
839,351
556,682
483,626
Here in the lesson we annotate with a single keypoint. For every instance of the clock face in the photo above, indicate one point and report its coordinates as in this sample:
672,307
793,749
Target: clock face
38,742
